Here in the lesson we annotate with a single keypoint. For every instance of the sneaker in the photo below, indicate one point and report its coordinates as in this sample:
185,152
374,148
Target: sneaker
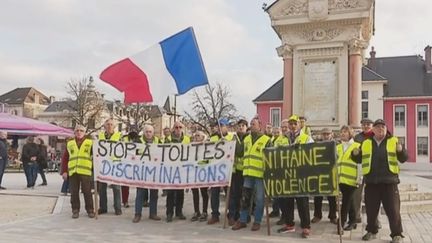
213,220
203,217
397,239
255,227
2,188
181,216
75,215
306,233
287,229
239,225
315,220
137,218
350,227
274,214
91,215
43,184
118,212
195,217
154,217
169,218
126,205
101,211
369,236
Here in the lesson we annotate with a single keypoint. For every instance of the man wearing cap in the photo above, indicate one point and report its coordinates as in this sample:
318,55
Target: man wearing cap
111,135
253,174
295,136
3,156
326,135
77,165
215,191
366,126
379,156
237,174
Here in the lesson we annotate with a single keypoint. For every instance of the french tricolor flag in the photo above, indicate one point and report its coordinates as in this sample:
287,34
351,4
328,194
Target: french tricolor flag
173,66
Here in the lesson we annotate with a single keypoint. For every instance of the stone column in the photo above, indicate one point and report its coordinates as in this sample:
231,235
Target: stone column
356,48
285,51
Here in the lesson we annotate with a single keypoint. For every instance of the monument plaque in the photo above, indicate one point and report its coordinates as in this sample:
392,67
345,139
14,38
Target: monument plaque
320,91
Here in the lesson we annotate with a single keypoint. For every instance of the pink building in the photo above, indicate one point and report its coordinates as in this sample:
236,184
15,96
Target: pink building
398,89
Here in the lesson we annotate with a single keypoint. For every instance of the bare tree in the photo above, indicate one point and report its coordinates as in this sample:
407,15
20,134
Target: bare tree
89,103
136,115
211,106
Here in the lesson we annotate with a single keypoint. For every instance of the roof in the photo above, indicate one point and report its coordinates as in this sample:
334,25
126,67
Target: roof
21,95
274,93
406,75
60,106
370,75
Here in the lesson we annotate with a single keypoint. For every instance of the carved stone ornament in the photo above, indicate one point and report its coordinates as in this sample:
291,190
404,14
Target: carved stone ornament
296,7
343,4
357,46
284,51
320,34
318,9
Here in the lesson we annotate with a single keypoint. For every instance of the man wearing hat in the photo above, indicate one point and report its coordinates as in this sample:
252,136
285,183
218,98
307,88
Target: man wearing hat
326,135
77,164
379,156
366,127
215,191
295,136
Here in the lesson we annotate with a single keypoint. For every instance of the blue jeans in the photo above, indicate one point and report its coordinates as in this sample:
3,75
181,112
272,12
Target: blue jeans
103,201
139,200
31,172
250,185
214,201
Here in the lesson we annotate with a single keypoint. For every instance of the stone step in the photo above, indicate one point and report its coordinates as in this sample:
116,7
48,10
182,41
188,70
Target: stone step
416,206
408,187
415,196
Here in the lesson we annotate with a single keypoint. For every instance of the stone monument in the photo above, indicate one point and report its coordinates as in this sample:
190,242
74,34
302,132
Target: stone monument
323,44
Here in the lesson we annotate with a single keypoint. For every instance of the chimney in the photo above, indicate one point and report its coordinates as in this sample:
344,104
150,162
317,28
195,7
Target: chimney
428,64
52,99
371,61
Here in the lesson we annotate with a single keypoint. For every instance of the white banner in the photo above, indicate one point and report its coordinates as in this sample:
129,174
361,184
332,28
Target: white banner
164,166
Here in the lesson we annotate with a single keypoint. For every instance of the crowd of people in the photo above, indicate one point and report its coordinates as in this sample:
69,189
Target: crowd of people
366,160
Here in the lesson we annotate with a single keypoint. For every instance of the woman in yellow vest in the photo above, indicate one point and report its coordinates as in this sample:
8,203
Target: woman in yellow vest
349,177
379,157
77,164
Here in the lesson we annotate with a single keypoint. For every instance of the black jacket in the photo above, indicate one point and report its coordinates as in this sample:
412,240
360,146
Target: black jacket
379,171
29,150
3,151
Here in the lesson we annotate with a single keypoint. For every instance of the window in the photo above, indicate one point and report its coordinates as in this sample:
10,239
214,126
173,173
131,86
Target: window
422,146
402,141
275,116
399,116
365,109
422,116
365,95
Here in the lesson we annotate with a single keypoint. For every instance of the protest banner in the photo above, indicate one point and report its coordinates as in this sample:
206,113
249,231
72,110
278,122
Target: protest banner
301,170
164,166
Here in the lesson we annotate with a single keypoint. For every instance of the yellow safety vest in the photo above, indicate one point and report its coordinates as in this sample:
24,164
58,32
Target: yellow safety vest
80,160
302,138
253,164
306,130
115,137
281,140
186,139
366,149
347,168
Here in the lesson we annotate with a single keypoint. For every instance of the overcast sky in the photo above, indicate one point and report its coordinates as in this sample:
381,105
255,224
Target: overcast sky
46,43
